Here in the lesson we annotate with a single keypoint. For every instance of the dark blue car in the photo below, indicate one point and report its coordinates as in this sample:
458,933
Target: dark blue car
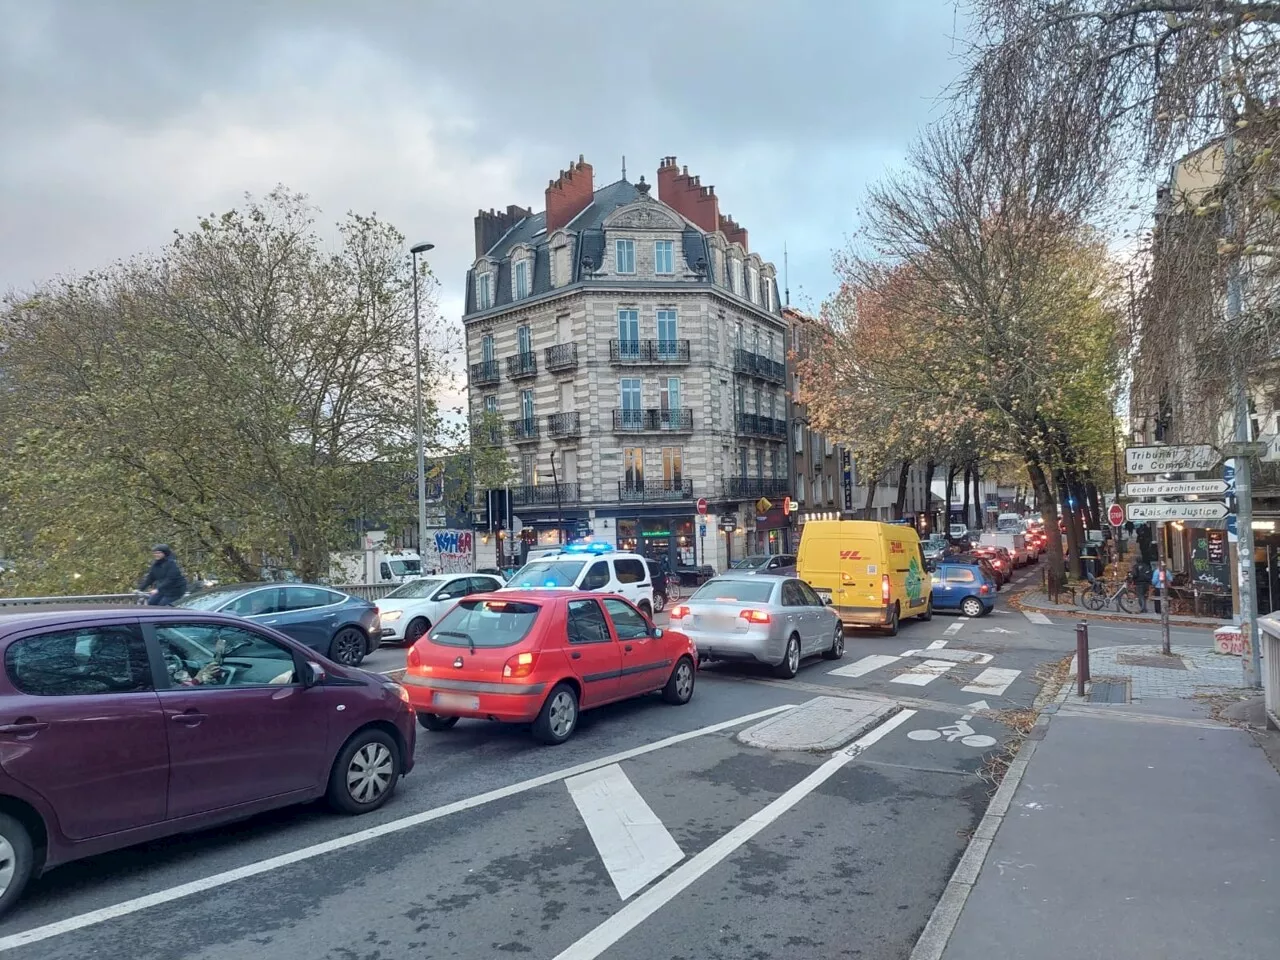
964,587
339,626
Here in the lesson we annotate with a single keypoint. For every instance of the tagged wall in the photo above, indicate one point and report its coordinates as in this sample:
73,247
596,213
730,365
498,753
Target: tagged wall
447,551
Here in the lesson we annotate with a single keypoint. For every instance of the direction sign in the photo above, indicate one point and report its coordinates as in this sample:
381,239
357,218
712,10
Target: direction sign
702,506
1140,512
729,522
1191,458
1176,488
1115,514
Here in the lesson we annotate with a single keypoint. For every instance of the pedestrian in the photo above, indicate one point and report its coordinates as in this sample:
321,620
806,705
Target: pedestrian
164,578
1140,571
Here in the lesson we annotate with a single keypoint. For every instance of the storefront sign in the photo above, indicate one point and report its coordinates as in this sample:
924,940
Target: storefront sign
729,523
1216,546
846,462
1207,570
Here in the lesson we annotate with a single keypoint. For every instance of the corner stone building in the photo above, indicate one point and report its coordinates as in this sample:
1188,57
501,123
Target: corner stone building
635,351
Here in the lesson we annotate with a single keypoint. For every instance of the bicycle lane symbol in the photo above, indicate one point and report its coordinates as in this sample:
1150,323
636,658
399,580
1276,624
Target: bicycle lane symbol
959,730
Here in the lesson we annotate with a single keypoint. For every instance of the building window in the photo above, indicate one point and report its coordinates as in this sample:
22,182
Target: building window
768,294
755,401
529,469
798,429
800,488
742,461
738,339
522,279
669,394
775,456
629,391
633,466
526,407
624,252
664,256
524,340
666,333
759,463
484,291
735,275
768,344
753,285
486,348
770,404
672,467
629,333
742,399
491,404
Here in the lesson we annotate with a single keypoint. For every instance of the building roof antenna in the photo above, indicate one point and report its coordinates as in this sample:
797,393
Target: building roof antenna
624,166
786,274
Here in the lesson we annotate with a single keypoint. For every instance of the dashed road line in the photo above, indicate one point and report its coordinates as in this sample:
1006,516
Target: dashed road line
955,628
861,668
923,673
939,644
993,680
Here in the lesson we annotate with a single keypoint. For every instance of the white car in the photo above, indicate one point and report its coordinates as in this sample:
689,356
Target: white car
411,609
596,567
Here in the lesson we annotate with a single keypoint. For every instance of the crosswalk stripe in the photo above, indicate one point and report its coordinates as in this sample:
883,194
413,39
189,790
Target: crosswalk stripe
864,666
922,673
952,630
954,656
1035,616
993,680
937,644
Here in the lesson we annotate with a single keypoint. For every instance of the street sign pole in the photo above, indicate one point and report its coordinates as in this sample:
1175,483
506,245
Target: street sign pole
1164,592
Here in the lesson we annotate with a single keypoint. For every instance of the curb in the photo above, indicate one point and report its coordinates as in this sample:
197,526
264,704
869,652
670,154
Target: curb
1076,612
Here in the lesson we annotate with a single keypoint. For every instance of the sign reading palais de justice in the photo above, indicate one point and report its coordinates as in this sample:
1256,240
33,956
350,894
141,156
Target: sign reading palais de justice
1190,458
1140,512
1176,488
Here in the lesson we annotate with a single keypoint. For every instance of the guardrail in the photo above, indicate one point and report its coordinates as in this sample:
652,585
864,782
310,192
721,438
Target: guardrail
366,591
1269,637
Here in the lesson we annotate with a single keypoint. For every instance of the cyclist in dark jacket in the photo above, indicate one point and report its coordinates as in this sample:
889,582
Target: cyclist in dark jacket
164,577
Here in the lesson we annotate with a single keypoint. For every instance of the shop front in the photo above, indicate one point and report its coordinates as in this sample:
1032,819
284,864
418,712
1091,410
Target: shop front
773,533
672,539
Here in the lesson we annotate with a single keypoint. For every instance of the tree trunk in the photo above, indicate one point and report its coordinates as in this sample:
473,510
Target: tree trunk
1072,520
1049,514
964,490
871,497
929,468
900,504
1093,499
979,507
952,470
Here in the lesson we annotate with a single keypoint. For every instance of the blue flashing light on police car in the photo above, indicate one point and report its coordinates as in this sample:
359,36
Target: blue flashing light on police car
596,547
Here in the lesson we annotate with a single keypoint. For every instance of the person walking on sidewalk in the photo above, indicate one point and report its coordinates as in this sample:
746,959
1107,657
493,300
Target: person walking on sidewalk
1140,571
164,577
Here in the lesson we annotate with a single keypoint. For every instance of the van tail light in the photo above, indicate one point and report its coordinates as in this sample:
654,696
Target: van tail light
521,665
754,616
413,660
678,613
884,589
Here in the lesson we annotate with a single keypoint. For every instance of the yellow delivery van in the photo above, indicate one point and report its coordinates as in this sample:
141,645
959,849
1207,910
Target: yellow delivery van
873,574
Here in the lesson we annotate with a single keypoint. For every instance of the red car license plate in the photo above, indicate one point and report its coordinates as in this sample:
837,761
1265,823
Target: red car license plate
455,701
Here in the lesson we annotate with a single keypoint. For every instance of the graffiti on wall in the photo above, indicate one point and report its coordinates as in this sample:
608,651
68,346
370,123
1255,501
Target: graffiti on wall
449,551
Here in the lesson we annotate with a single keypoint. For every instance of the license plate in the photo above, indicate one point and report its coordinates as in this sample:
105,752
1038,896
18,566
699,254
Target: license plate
455,701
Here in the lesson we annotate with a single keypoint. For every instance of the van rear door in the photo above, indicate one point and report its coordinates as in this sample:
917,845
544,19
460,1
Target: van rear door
861,569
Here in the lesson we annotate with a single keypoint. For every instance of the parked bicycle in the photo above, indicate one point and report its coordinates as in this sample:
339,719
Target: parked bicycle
1100,596
669,594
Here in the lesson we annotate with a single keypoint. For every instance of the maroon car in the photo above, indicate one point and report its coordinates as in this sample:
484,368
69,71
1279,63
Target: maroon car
118,726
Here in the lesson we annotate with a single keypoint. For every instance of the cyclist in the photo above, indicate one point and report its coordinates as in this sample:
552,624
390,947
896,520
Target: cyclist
659,574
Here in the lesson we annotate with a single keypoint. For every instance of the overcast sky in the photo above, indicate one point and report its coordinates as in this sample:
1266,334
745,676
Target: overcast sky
125,119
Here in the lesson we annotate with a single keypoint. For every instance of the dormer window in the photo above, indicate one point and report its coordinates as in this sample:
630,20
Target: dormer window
753,285
735,275
624,252
522,279
484,291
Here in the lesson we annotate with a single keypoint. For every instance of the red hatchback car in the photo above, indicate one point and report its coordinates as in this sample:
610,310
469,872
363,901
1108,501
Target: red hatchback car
118,726
542,657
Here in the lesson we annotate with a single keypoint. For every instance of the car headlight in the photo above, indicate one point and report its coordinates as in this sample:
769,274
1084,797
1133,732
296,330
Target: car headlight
391,616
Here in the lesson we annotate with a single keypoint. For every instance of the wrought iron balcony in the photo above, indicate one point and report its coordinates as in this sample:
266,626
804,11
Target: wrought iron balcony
625,353
491,435
563,356
563,424
522,365
524,429
545,494
758,425
651,420
742,488
484,373
654,491
753,364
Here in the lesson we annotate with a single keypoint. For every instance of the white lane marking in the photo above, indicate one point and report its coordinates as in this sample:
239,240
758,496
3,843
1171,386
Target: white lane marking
860,668
924,672
633,843
126,907
1035,616
671,886
978,706
939,644
955,656
998,630
955,628
963,619
993,680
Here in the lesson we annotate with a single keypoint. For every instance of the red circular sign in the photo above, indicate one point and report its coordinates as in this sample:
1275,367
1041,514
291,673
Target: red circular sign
702,506
1115,513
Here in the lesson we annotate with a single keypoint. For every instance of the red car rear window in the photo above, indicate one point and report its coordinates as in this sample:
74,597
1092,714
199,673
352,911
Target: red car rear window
486,623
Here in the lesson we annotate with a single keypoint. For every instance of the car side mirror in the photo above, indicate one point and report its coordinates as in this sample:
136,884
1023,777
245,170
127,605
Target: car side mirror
655,632
444,596
312,674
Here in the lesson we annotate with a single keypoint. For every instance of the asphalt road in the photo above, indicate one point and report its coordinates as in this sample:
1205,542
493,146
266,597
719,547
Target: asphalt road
496,847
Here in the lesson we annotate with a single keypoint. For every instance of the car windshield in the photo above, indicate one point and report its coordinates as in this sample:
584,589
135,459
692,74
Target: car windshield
751,563
208,599
548,573
749,591
415,589
485,623
405,568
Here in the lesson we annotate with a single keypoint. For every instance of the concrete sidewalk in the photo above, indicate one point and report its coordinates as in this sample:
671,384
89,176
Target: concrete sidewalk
1125,831
1036,599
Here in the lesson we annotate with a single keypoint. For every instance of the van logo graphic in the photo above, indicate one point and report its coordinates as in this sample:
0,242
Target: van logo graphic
895,546
850,555
458,663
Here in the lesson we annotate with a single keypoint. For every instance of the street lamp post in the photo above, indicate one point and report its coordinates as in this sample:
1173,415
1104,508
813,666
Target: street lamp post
417,399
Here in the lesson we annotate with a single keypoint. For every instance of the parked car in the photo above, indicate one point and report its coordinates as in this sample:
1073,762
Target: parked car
408,611
998,559
984,562
1014,543
760,618
542,657
593,567
342,627
492,572
964,587
934,548
122,725
779,564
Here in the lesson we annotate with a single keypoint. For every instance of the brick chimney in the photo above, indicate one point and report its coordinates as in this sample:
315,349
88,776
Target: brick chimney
732,231
491,226
569,195
687,196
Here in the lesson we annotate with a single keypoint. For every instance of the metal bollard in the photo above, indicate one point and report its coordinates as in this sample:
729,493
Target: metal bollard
1082,656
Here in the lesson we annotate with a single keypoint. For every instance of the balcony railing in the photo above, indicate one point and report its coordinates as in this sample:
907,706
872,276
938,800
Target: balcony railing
758,425
744,361
563,356
491,435
651,420
640,352
524,429
753,487
484,373
545,494
563,424
522,365
640,491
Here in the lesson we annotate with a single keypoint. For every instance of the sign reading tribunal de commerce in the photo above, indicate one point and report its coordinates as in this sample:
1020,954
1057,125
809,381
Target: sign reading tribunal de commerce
1189,458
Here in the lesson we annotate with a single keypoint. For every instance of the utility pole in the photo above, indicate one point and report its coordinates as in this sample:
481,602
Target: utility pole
555,482
1165,647
417,398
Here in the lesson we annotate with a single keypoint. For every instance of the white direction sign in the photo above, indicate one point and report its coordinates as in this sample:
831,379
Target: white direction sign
1176,488
1192,458
1140,512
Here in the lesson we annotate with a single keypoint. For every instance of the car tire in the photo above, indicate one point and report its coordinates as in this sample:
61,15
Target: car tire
433,721
17,860
892,628
790,664
971,607
558,717
837,644
365,773
416,630
646,608
928,611
348,647
679,688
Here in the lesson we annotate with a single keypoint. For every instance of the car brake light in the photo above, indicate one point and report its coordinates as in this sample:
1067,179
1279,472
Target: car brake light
678,613
754,616
884,589
985,588
521,665
414,659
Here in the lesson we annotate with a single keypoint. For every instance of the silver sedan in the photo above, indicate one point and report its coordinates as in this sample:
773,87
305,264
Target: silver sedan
759,618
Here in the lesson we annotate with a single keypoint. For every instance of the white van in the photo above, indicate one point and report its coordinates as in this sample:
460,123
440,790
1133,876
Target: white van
1015,543
597,567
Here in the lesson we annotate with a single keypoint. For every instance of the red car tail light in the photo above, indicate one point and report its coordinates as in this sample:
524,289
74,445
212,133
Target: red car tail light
678,613
884,589
985,588
413,659
754,616
521,665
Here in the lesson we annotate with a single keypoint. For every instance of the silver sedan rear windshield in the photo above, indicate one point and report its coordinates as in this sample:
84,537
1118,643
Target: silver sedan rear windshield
748,591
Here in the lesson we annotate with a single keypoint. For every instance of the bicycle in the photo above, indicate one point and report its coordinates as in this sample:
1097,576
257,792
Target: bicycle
661,599
1125,597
